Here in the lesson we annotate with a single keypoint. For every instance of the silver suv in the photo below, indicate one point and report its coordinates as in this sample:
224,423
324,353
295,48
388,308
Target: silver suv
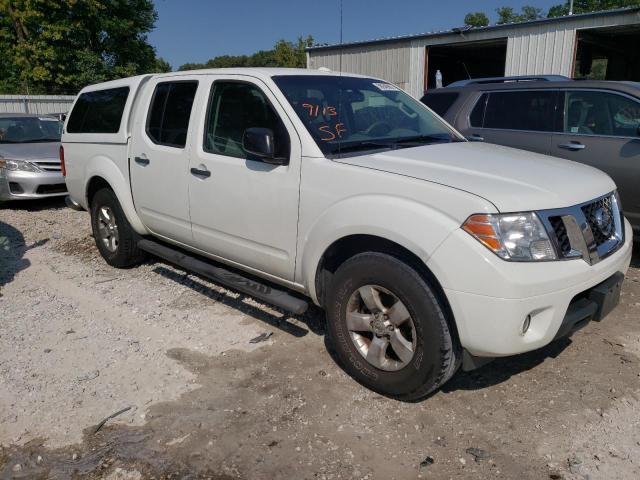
29,156
588,121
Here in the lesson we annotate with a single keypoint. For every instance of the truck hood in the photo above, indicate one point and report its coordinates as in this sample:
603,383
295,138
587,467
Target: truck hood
31,151
513,180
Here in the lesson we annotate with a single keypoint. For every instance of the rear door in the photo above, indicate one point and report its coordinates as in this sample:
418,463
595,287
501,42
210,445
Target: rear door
600,128
159,156
518,118
243,209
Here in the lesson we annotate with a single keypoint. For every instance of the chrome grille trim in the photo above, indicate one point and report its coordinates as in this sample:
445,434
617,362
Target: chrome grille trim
571,229
47,165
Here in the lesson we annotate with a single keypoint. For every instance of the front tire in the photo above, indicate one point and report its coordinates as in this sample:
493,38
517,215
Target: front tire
115,238
388,327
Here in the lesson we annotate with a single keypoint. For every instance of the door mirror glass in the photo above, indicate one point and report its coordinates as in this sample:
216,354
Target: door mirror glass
259,142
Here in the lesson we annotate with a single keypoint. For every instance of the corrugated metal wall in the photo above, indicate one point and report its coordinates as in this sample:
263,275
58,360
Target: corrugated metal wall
536,49
35,103
388,61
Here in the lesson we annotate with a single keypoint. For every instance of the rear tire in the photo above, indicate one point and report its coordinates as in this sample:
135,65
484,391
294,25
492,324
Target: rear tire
115,238
388,327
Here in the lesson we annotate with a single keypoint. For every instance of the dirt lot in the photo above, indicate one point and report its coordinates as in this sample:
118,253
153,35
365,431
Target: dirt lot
80,341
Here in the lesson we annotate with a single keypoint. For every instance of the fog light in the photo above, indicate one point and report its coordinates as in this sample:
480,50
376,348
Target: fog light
525,325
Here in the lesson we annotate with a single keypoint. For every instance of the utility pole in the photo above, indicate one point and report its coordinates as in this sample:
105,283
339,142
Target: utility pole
570,7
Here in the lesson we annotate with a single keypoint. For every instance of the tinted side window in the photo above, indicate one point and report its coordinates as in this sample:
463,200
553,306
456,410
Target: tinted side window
168,119
476,119
440,102
600,113
99,111
233,108
522,110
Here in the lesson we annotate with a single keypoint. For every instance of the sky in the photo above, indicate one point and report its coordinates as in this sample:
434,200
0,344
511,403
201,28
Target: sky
197,30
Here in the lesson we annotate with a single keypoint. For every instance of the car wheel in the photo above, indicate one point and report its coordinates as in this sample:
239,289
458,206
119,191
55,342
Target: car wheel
388,327
115,239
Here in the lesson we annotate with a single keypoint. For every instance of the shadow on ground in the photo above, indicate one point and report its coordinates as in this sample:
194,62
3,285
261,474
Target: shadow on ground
12,250
53,203
313,318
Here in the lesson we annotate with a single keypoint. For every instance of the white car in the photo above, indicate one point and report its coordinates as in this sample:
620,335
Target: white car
427,251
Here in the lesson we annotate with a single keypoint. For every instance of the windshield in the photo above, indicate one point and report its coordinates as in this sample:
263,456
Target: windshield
30,129
346,114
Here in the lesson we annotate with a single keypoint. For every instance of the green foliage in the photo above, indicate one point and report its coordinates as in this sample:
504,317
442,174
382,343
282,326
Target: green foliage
283,54
508,15
584,6
60,46
476,19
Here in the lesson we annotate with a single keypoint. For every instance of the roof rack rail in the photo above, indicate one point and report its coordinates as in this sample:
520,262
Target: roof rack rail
523,78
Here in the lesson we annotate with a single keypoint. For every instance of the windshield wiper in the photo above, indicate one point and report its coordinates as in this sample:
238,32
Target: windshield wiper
421,139
366,145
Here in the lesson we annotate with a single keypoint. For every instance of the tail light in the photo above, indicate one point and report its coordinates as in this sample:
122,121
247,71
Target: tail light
63,168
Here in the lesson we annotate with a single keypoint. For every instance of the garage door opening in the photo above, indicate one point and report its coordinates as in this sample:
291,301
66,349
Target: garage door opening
461,61
608,53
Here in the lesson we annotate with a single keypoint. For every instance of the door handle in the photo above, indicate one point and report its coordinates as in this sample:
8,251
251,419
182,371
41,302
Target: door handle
200,173
475,138
141,161
572,146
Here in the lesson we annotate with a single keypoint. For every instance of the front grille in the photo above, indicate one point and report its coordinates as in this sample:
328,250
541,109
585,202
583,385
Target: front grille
591,230
47,165
54,188
599,216
561,235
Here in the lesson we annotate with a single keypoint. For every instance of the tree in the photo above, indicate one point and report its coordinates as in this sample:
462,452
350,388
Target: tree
61,46
283,54
584,6
476,19
508,15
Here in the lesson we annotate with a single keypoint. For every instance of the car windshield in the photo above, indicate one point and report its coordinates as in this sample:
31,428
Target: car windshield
30,129
347,114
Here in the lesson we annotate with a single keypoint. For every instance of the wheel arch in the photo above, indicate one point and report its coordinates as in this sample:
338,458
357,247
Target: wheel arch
347,247
120,186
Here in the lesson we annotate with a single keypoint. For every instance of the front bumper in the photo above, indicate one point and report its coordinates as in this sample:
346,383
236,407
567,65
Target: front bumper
490,298
19,185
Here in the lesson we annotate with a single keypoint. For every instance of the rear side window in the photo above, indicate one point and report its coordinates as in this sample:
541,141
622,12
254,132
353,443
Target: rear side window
521,110
168,119
99,111
440,102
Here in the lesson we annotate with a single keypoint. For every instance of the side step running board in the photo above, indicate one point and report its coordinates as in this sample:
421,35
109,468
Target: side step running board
230,279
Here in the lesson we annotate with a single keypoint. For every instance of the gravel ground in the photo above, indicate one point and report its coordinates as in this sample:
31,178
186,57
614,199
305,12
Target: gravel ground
80,341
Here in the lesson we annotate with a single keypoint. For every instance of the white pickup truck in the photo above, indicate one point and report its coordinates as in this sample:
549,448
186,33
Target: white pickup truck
427,251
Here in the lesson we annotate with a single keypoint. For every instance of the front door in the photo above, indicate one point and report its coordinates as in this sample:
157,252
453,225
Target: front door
159,157
244,210
600,129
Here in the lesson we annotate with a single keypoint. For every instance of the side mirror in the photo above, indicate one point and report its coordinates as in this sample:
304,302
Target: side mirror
259,142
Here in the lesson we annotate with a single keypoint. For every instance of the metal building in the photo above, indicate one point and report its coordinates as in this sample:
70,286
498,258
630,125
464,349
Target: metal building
35,103
603,45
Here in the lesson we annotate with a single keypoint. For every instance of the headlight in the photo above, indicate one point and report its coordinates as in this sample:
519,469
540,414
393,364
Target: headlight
512,236
19,165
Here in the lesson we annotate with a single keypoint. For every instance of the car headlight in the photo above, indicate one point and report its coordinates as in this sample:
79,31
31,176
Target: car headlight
21,165
518,237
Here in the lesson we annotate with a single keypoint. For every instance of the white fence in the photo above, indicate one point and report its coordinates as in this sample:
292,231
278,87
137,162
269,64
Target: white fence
35,103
